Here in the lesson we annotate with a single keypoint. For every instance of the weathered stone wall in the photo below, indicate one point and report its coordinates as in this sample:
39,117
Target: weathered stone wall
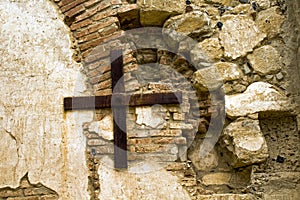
240,52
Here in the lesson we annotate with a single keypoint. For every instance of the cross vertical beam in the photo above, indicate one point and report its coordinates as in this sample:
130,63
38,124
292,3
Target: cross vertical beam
119,110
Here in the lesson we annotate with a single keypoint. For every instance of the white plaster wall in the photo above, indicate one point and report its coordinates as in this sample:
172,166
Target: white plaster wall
36,73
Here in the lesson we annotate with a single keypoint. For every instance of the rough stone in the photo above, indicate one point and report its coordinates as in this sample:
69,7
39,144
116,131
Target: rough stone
206,52
239,35
265,60
263,4
37,72
193,24
147,116
270,21
104,127
258,97
155,12
203,163
216,179
245,142
229,71
213,77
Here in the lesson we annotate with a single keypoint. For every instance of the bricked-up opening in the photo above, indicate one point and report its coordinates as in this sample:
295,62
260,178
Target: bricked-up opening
282,135
27,191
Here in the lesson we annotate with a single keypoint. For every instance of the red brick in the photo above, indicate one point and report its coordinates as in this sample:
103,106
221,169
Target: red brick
105,76
86,14
108,30
96,54
81,33
97,64
91,3
95,27
104,4
81,24
75,11
49,197
71,5
64,2
104,14
93,73
86,53
94,81
103,92
104,85
88,37
104,68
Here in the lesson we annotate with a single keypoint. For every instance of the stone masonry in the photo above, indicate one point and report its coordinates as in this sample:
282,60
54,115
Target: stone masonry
235,135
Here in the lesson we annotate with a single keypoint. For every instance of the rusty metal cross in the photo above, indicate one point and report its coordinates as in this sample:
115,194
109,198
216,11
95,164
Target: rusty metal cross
118,102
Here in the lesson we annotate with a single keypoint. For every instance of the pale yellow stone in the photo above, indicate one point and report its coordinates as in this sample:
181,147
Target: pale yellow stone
258,97
270,21
239,35
213,77
206,52
265,60
155,12
244,139
229,71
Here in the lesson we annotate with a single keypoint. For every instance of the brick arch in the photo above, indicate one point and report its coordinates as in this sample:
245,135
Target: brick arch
92,22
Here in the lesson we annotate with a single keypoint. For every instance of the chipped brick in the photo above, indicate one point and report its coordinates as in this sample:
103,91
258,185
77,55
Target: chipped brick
75,11
71,5
88,37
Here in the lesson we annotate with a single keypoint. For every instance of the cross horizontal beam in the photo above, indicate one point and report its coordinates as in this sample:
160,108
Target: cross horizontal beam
98,102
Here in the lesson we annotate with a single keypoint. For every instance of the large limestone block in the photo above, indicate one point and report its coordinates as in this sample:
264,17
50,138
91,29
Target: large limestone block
270,21
206,52
239,35
193,24
213,77
141,181
155,12
245,142
258,97
265,60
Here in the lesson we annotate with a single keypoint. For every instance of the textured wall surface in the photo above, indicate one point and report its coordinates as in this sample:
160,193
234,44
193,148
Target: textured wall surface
37,71
242,52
